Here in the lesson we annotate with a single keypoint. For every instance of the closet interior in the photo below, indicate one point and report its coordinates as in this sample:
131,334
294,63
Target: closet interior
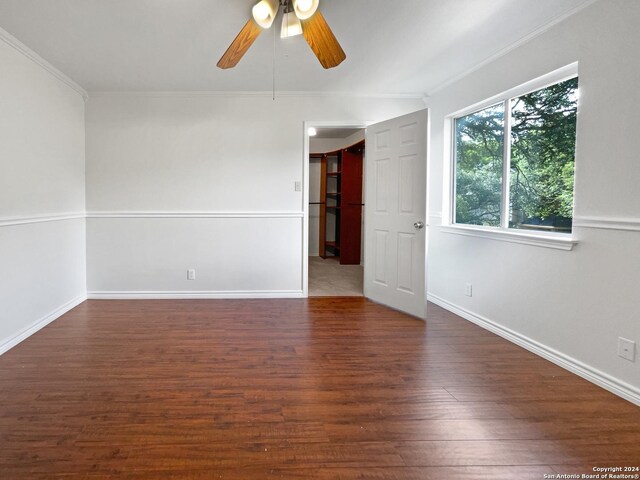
340,215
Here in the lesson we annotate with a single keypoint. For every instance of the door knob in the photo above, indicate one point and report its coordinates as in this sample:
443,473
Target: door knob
418,225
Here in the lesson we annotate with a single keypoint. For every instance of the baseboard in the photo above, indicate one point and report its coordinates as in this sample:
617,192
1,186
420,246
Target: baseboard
165,295
40,324
615,386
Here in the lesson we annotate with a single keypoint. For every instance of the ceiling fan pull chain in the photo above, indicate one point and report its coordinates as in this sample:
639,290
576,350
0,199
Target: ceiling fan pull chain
274,64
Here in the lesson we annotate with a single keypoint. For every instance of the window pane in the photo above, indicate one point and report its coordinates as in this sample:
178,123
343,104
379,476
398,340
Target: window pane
479,152
543,141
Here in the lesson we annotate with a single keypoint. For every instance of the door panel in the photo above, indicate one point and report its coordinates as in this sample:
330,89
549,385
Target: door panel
406,249
396,180
407,185
382,185
380,275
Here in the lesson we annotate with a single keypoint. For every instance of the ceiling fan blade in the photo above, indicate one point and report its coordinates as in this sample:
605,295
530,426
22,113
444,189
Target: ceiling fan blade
240,45
322,41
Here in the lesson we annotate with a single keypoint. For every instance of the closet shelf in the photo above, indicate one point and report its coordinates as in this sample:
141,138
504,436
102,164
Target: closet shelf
333,245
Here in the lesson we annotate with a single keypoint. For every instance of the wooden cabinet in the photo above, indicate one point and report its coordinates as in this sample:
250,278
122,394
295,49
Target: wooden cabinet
341,204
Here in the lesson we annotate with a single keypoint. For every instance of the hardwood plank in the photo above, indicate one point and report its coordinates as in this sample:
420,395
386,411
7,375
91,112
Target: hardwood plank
325,473
546,391
476,429
517,452
412,411
579,410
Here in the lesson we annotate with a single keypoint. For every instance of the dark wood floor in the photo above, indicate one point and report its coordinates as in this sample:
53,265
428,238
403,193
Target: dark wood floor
329,388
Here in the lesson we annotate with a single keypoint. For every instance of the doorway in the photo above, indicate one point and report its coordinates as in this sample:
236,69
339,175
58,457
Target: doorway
394,254
335,229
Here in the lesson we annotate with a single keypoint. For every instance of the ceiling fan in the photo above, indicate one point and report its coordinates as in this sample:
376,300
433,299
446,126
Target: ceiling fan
298,17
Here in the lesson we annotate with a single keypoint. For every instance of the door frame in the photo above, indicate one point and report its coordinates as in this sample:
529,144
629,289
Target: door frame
305,188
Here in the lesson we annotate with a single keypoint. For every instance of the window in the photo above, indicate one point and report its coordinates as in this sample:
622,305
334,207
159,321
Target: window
514,161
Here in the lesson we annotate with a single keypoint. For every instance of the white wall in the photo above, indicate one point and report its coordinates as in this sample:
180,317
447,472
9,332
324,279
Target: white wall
314,210
150,156
573,305
42,226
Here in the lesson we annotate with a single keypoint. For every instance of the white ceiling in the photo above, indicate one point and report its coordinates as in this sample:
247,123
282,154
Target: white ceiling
409,46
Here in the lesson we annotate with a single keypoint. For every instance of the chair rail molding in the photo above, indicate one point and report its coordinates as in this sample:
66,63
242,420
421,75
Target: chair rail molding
56,217
210,214
608,223
52,217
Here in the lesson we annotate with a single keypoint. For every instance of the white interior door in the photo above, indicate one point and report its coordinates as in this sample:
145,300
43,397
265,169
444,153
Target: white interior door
395,213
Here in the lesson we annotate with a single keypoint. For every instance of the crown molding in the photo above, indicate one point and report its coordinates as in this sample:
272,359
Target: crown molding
12,41
265,94
512,46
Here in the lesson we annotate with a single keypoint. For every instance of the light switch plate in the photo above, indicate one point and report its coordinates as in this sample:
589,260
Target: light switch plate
297,186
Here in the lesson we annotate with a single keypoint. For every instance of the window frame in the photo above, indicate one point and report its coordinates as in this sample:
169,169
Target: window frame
563,241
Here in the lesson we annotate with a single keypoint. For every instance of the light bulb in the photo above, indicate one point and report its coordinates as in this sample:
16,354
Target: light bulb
305,5
290,26
261,11
264,12
305,8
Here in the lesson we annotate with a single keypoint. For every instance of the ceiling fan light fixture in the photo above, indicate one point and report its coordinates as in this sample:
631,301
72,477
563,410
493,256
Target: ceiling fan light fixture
305,8
291,25
316,31
264,12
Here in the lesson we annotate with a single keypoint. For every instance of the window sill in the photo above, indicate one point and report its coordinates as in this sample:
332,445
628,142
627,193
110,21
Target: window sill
559,241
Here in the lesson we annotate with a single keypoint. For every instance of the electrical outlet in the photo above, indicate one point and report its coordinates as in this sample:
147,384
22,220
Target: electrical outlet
626,349
468,290
297,186
191,274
